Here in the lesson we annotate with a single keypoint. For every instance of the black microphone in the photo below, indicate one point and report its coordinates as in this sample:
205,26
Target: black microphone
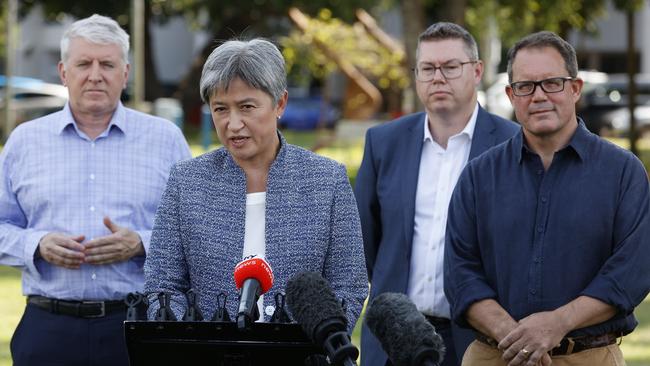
406,336
164,313
221,313
137,305
280,315
193,312
253,277
314,305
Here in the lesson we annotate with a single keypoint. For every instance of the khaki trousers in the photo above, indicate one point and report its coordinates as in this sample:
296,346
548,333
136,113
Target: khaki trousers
480,354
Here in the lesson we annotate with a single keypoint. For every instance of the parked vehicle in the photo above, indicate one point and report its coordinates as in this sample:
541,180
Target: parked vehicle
620,120
308,113
33,98
605,106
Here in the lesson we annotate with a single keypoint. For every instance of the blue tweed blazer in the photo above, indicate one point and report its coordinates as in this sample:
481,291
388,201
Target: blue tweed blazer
312,224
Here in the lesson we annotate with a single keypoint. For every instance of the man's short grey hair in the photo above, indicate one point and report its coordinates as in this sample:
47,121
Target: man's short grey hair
444,30
541,40
96,29
257,62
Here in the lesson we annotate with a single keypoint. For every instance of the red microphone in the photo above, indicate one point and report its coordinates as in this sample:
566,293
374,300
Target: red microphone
253,278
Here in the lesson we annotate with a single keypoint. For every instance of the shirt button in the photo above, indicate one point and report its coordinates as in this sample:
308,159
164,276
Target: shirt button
92,176
536,260
544,199
269,310
429,279
92,208
540,229
532,291
94,276
92,144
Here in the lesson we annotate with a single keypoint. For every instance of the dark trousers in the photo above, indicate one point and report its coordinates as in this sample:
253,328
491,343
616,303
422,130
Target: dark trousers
47,339
451,359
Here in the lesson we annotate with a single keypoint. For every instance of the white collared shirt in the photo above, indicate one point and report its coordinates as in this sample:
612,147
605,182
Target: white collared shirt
438,173
254,233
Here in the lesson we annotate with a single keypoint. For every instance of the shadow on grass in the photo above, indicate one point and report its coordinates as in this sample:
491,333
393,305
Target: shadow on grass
9,273
5,357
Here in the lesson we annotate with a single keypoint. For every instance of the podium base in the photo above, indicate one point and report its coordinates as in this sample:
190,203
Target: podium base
217,344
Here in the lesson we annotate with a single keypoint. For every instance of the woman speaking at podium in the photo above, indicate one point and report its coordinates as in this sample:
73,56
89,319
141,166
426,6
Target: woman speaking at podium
256,195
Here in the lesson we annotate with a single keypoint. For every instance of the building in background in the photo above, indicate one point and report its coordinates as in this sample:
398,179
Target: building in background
174,46
606,51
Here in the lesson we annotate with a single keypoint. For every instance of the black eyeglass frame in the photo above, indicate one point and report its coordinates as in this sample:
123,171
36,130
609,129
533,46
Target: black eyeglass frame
540,83
436,68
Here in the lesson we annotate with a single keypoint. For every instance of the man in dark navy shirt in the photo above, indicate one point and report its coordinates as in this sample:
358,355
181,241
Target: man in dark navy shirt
547,248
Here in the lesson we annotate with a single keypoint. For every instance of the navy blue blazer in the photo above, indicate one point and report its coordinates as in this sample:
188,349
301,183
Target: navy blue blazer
385,191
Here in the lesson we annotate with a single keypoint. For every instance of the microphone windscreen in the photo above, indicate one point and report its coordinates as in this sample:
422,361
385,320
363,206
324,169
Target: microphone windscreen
312,301
256,268
401,329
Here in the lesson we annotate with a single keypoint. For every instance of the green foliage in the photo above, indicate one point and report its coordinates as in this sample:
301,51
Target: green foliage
351,42
517,18
226,18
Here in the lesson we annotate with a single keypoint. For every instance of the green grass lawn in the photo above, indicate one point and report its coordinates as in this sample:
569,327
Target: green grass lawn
12,304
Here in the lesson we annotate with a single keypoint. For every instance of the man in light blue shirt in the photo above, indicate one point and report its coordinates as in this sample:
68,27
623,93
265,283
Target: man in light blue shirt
78,192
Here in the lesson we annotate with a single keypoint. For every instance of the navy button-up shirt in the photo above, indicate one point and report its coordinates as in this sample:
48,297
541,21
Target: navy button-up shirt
534,240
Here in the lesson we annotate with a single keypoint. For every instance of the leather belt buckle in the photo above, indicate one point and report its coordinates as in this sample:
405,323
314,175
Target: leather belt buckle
102,309
565,347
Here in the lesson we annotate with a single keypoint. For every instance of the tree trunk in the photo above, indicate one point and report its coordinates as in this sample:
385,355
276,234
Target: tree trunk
631,71
413,24
152,88
453,11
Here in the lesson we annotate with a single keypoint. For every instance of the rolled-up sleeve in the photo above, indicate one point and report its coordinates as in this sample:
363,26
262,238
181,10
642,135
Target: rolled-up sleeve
624,279
464,278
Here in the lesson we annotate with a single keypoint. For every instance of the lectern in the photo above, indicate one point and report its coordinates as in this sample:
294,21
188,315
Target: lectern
161,343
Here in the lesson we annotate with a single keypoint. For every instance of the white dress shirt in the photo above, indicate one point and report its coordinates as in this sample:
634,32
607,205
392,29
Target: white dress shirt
438,173
254,239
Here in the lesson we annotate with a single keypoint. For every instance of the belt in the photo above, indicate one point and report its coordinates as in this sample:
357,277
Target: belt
437,322
568,345
80,309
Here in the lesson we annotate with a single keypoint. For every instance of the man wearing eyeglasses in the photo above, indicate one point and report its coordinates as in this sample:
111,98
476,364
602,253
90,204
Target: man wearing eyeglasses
407,175
547,250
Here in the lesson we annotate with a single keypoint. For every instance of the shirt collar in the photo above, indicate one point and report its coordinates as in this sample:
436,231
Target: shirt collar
468,130
118,119
579,142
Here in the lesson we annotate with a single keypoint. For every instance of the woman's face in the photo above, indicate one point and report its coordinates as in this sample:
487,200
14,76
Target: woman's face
246,122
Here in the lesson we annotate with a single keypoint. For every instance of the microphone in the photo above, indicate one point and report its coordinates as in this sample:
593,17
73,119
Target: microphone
193,312
406,336
221,314
253,277
164,313
280,315
137,305
314,305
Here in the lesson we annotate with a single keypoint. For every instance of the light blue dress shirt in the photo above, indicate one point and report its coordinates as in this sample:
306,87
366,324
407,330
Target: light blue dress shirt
53,178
